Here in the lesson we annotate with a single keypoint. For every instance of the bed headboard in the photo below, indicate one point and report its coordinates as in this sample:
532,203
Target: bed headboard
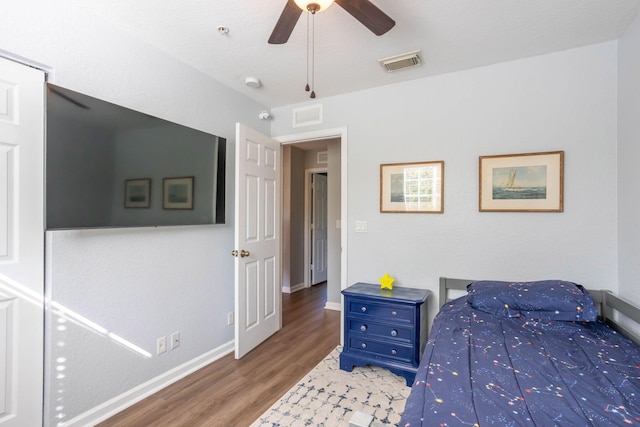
607,302
448,284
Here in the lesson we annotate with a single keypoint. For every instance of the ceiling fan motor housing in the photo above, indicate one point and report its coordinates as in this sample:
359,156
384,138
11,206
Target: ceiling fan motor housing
314,6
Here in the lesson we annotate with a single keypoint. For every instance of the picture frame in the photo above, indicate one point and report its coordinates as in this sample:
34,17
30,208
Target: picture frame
177,193
137,193
416,187
530,182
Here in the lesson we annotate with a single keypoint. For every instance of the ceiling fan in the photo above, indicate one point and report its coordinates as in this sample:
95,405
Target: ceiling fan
363,10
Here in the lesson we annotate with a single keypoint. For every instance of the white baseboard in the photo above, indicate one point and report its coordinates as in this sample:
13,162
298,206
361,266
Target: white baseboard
333,306
294,288
119,403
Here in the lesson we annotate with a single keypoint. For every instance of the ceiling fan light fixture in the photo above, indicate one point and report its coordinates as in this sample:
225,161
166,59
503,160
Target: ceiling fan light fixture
314,6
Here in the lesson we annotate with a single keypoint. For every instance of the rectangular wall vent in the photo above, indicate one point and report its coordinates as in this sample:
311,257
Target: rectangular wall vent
322,157
401,62
307,116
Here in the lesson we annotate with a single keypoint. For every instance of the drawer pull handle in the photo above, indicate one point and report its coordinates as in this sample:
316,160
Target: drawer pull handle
394,313
364,309
363,328
394,333
394,352
363,345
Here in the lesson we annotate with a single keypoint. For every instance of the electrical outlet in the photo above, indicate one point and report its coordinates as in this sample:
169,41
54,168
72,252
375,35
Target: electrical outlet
161,345
230,318
175,340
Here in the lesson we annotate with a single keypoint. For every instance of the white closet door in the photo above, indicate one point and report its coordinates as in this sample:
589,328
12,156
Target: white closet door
21,244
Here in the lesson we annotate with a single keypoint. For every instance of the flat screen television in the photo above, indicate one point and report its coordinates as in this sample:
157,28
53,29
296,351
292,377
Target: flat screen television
110,166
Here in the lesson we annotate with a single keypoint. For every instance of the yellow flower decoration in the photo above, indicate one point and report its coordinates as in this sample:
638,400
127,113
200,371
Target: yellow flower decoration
386,281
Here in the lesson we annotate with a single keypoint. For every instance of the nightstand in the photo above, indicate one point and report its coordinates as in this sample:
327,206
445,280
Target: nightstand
383,327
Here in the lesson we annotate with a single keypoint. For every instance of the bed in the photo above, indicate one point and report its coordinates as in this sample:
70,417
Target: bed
545,353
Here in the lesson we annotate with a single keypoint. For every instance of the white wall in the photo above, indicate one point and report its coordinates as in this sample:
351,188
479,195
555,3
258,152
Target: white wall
629,156
133,284
562,101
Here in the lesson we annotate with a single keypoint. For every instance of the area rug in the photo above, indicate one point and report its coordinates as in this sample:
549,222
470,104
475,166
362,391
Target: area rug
328,397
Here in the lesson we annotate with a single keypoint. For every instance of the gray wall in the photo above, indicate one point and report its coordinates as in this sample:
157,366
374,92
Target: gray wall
297,215
562,101
628,159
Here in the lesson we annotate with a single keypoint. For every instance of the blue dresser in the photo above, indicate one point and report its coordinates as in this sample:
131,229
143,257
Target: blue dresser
383,327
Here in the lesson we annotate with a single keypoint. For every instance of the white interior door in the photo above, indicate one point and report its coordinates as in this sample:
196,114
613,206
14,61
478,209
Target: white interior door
21,244
319,249
257,239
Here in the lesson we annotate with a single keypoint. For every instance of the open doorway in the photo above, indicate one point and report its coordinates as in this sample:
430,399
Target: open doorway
305,262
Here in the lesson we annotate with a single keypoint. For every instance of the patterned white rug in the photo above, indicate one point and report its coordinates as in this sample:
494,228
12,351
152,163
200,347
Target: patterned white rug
328,397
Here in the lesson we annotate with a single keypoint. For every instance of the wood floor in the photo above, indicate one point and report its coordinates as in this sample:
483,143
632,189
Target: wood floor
231,392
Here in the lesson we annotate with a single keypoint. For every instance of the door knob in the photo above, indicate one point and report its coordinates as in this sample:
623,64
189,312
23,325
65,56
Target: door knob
244,253
234,252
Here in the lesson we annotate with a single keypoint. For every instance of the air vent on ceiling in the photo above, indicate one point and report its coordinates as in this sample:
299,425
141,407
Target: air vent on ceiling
400,62
307,116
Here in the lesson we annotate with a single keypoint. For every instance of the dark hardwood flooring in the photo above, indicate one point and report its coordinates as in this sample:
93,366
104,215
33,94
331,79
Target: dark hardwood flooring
230,392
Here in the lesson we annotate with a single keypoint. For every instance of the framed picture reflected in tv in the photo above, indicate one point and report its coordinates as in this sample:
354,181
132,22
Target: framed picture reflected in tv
177,193
94,146
137,193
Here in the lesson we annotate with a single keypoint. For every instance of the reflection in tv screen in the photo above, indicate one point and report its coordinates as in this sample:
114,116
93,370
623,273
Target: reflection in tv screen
110,166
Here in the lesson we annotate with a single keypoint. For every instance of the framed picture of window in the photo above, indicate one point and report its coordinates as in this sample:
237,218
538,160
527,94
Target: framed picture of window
137,193
177,193
531,182
412,187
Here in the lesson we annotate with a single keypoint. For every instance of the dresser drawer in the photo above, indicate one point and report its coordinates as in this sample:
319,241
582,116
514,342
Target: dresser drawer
380,311
387,331
386,350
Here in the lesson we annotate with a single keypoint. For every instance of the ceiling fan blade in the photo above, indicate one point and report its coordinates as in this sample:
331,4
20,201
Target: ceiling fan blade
369,15
286,23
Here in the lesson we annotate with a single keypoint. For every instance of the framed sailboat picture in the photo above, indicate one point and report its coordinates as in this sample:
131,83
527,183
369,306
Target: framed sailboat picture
531,182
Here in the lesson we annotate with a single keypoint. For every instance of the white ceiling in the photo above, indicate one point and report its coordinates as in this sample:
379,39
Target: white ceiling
452,35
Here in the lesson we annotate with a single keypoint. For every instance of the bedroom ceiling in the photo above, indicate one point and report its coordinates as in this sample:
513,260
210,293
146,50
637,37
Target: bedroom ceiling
452,35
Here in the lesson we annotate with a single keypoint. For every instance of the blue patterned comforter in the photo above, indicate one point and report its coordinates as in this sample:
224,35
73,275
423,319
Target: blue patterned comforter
482,369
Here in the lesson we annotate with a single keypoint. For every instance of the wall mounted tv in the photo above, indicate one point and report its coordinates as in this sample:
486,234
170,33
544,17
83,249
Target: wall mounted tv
110,166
